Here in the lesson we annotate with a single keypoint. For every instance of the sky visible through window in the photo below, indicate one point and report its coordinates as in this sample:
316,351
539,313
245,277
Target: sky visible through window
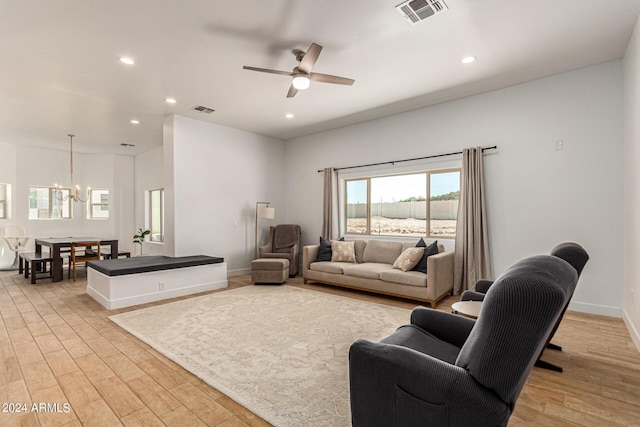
391,189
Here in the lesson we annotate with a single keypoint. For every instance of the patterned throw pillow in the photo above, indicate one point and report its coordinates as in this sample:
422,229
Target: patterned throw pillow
342,251
408,259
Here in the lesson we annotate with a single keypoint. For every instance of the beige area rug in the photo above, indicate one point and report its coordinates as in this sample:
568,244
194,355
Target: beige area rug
280,351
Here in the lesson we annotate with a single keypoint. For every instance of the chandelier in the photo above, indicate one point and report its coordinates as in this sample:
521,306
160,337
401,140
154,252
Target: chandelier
59,191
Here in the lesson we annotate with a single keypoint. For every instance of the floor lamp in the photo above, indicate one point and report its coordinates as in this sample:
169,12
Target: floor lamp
263,212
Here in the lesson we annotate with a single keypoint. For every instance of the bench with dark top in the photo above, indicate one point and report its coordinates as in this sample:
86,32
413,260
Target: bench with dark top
118,283
146,264
34,263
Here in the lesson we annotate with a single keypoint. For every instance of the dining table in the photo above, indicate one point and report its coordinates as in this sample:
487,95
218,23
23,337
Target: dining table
55,244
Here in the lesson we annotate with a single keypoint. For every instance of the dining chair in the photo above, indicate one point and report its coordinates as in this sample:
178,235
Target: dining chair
81,252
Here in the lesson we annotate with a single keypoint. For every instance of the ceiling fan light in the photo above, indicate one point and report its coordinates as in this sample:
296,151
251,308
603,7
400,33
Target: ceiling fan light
301,82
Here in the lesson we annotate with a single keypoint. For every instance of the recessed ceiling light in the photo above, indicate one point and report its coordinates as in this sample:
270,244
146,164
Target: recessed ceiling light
135,122
289,116
468,59
126,60
170,100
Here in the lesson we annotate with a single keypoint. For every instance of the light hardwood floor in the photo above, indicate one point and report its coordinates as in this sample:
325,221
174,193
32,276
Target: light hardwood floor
58,346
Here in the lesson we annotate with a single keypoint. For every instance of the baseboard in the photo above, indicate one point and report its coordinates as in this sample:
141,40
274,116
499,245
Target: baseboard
633,331
602,310
238,272
153,296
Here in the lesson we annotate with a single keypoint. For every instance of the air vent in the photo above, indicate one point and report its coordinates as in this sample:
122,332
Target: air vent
419,10
203,109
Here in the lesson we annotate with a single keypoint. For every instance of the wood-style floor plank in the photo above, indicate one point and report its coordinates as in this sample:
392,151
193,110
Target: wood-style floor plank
57,345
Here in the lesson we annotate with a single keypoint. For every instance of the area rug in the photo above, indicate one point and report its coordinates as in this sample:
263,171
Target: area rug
280,351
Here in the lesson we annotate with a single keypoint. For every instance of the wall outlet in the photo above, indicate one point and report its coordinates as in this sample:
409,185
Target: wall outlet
161,286
560,145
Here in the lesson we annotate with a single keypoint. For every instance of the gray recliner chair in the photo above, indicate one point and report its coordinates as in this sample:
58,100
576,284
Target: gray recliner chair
571,252
284,242
448,370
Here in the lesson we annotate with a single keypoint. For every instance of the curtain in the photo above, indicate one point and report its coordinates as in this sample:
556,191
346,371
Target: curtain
472,244
330,226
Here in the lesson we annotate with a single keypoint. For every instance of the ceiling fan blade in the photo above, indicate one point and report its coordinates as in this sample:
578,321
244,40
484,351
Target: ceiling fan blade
310,57
266,70
326,78
292,92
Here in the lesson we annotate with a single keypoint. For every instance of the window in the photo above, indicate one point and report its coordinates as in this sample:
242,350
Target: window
4,195
155,215
417,204
98,204
44,203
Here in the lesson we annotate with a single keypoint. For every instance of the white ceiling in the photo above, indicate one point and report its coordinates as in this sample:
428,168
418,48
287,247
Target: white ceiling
59,68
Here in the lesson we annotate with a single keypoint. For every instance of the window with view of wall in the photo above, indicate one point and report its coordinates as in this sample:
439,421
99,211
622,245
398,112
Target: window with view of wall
49,203
357,206
4,195
421,204
155,215
98,206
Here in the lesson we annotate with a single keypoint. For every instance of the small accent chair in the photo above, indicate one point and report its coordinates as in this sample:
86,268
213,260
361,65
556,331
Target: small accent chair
571,252
284,242
82,252
448,370
16,239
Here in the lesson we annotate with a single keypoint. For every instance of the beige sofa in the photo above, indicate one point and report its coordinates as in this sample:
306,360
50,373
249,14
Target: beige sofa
373,271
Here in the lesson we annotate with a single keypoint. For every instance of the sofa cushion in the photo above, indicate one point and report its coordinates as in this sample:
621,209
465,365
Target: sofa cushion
432,249
329,267
413,278
359,246
408,259
342,251
367,270
382,252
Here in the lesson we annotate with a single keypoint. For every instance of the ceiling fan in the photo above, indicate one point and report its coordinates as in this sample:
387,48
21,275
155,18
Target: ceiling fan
302,74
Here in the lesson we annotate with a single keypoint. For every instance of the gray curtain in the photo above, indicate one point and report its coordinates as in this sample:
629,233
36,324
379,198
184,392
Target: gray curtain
330,226
472,260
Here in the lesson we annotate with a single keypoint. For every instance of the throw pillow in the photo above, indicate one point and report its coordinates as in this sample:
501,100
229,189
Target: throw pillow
408,259
432,249
324,252
342,251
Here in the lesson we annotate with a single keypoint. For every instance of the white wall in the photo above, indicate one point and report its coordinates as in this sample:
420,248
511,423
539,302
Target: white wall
214,175
632,186
8,176
38,166
149,175
537,196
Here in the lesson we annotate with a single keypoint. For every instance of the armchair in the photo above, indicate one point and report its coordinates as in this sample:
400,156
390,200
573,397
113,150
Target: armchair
284,242
448,370
571,252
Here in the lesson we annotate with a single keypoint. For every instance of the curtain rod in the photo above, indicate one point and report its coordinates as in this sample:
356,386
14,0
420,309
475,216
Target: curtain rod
493,147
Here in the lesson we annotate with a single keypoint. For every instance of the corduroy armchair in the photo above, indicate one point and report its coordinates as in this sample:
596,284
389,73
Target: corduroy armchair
447,370
571,252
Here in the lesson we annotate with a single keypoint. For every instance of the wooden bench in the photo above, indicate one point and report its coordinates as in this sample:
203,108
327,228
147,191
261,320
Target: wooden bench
117,283
106,254
34,263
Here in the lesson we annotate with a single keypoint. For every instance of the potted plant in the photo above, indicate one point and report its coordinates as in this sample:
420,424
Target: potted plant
140,237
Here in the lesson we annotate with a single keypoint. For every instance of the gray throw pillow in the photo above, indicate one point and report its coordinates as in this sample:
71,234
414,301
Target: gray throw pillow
324,252
432,249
